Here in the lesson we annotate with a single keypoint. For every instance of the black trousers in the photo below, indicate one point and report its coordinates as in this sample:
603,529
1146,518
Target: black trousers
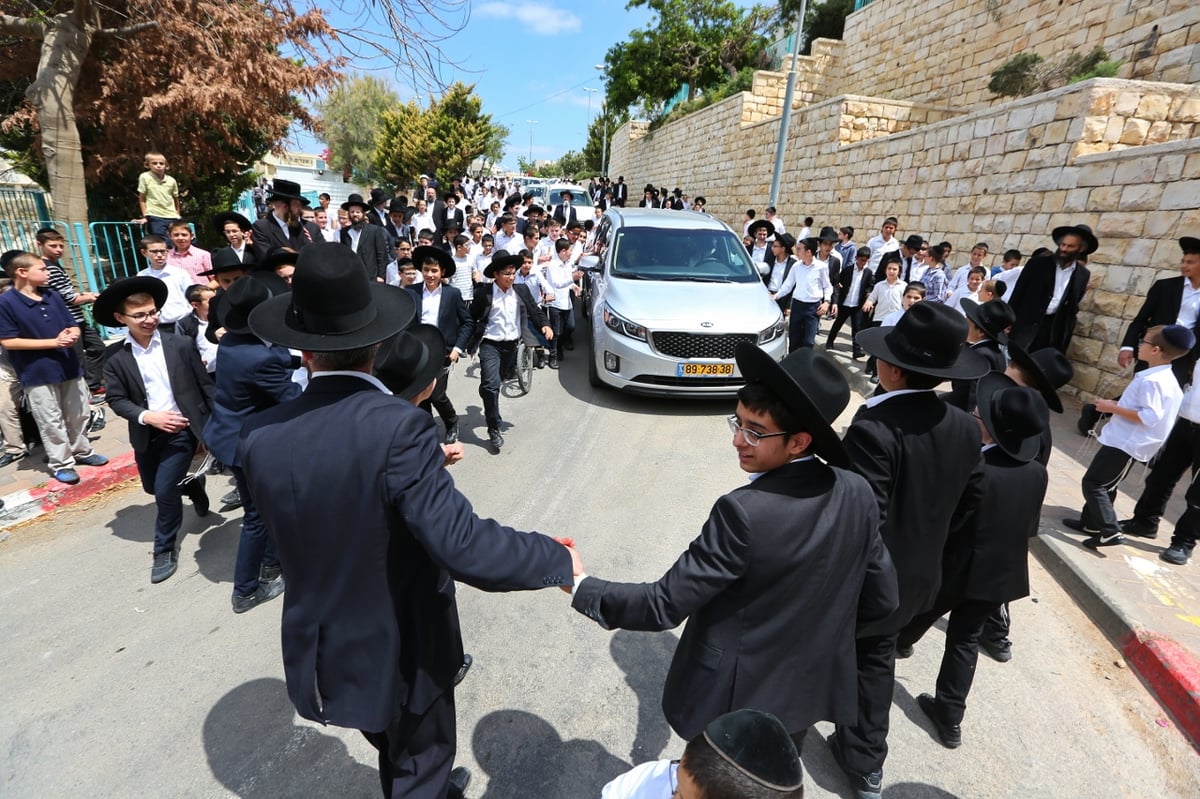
855,315
864,744
416,752
961,655
496,359
90,351
440,402
1099,485
997,626
1180,452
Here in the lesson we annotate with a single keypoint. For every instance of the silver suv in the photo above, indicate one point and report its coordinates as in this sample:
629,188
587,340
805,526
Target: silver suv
670,295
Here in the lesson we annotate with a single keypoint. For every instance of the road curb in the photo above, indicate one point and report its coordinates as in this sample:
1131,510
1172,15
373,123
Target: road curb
29,504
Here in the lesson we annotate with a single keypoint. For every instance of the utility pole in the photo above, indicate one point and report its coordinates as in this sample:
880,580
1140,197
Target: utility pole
781,145
531,122
604,114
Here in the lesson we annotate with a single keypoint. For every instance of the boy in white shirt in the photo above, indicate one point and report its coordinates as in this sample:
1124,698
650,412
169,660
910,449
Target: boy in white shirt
970,289
1141,420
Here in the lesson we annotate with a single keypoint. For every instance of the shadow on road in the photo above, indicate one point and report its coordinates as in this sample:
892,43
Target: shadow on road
255,749
524,756
645,658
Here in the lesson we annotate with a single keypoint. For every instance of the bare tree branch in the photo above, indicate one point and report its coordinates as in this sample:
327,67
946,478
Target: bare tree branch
23,27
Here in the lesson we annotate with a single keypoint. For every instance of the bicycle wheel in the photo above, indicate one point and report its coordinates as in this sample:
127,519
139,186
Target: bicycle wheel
524,367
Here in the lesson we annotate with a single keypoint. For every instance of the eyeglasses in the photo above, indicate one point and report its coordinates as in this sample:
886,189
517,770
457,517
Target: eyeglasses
751,437
142,316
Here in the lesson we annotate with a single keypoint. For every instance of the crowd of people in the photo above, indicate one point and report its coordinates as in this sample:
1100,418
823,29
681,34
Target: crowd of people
815,576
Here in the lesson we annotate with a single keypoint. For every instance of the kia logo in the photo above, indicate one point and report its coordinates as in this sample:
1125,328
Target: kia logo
706,324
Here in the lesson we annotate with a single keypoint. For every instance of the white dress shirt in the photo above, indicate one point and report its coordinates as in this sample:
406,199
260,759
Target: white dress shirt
775,281
807,283
560,279
355,235
431,305
886,297
503,322
178,282
855,283
1156,396
879,248
152,364
1062,278
208,350
1190,409
1189,305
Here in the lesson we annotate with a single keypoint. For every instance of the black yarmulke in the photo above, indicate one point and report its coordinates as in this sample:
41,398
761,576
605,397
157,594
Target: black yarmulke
758,745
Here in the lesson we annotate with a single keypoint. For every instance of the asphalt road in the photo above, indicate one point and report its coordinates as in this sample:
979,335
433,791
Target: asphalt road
113,687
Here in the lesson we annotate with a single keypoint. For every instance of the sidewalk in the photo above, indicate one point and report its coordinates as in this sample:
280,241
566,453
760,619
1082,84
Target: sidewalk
1149,609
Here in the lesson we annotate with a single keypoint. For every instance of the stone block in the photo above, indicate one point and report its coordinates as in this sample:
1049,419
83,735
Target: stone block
1143,279
1181,131
1012,162
1116,278
1087,376
1169,167
1120,225
1181,194
1162,224
1107,330
1047,179
1053,201
1104,198
1126,103
1113,130
1134,132
1135,170
1084,148
1085,350
1027,202
1141,197
1153,107
1056,132
1076,200
1019,119
1100,104
1159,132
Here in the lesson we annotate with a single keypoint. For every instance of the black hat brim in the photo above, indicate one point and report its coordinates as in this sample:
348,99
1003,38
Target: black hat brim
409,386
760,223
1089,238
220,220
971,310
1039,381
1023,449
757,366
395,309
112,297
968,366
503,262
419,254
275,260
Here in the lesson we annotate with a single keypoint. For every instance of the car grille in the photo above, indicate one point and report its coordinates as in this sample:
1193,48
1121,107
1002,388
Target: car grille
700,345
689,382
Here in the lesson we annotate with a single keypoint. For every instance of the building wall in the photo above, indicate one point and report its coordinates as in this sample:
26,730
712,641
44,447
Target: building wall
1006,174
944,51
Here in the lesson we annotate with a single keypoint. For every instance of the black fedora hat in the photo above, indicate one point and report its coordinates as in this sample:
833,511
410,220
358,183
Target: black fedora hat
827,234
224,259
534,209
1090,243
332,306
112,297
1046,370
927,340
648,187
411,360
759,746
787,240
238,301
810,385
285,190
760,223
280,256
219,221
378,196
992,317
502,260
398,205
1190,245
420,254
356,199
1015,416
914,242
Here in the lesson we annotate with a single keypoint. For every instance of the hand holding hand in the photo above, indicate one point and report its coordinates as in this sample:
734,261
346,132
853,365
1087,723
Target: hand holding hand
167,421
576,562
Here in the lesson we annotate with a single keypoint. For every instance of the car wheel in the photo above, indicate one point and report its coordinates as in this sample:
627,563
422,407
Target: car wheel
593,371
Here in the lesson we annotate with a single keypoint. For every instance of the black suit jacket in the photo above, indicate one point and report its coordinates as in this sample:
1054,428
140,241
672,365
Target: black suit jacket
620,194
371,540
377,217
268,235
247,254
454,320
864,286
773,588
962,392
191,385
456,215
991,563
1033,293
921,458
1162,308
374,248
566,216
481,305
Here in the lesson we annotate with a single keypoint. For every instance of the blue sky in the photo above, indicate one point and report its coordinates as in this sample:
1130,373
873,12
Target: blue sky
530,60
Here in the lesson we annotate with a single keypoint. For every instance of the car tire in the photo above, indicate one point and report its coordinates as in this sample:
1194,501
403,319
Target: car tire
593,370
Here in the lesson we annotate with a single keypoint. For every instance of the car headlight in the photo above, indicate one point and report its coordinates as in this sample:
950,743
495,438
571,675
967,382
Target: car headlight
771,333
623,326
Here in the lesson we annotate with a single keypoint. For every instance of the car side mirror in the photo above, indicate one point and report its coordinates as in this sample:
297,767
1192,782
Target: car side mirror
589,263
763,269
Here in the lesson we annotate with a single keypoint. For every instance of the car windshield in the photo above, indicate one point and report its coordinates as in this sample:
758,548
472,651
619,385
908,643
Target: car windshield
715,256
536,189
578,196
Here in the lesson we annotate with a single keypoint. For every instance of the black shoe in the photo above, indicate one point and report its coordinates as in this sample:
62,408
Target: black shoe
999,651
1176,556
1078,526
1088,416
266,592
1104,540
165,564
200,503
553,361
460,778
231,501
10,457
866,786
496,440
451,433
949,734
268,573
463,669
1139,528
903,652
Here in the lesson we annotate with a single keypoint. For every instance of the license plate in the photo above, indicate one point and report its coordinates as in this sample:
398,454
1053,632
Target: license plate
704,370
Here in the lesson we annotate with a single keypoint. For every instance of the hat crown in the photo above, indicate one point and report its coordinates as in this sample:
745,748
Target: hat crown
929,334
282,186
1054,366
821,379
330,291
246,294
1018,413
224,258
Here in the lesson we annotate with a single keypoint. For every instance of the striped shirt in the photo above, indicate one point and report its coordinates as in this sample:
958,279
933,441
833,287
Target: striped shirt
61,282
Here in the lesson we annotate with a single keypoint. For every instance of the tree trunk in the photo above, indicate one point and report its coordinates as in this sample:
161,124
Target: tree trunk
65,47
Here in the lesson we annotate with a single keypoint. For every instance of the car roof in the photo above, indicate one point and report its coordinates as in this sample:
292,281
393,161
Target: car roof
666,218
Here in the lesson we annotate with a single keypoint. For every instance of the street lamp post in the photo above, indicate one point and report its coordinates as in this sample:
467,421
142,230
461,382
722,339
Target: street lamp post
531,122
603,113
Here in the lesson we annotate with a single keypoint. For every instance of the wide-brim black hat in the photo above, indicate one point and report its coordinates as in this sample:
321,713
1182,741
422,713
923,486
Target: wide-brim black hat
332,306
1190,245
224,259
397,205
411,360
535,209
378,196
285,190
993,317
928,340
280,256
502,260
1047,370
914,242
759,746
811,386
423,252
111,299
828,234
355,199
220,220
760,223
238,301
1090,242
1015,416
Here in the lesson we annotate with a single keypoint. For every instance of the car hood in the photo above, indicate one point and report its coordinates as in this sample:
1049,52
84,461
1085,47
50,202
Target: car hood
699,307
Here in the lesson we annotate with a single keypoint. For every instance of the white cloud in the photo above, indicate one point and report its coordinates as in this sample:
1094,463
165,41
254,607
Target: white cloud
533,17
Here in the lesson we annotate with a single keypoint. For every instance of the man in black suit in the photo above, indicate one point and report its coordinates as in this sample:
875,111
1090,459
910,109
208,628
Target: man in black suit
499,311
782,571
157,382
378,211
369,241
442,305
986,326
897,441
564,212
854,284
450,215
1170,301
284,226
373,540
989,565
620,192
1046,299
